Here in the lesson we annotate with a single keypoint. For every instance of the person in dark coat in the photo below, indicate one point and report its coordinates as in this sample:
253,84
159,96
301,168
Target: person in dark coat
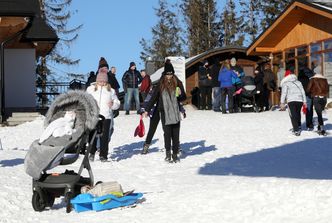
131,79
91,79
169,92
205,86
304,75
216,93
318,88
113,81
259,98
269,85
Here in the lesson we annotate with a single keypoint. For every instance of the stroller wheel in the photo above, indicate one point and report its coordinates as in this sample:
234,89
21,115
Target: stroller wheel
38,202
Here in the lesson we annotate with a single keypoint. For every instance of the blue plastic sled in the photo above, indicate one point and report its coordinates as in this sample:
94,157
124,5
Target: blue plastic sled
87,202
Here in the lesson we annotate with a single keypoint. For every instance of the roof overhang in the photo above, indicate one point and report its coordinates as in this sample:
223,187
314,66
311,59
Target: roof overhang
294,14
17,15
222,53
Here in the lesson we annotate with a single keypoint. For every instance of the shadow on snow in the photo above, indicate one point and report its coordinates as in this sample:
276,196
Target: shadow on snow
195,148
129,150
307,159
13,162
188,149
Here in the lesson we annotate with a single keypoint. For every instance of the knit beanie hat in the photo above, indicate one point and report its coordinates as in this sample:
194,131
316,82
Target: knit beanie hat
168,68
288,72
102,75
132,64
103,63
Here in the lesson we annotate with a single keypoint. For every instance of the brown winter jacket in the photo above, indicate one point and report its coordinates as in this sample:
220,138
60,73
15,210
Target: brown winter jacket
318,86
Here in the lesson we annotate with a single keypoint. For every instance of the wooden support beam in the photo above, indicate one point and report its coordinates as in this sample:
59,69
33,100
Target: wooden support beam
264,49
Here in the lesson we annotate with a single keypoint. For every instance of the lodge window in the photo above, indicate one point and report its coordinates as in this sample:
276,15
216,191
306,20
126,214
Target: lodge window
312,55
315,47
328,45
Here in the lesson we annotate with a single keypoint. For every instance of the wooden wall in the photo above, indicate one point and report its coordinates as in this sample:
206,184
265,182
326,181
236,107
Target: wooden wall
312,29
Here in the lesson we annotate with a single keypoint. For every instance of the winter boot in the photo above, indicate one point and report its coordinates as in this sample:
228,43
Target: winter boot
168,156
321,131
175,154
145,148
175,157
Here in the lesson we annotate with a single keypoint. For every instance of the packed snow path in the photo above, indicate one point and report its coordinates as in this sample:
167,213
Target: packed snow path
244,167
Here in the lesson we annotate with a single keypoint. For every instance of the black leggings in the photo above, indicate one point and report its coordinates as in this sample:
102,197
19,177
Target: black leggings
227,92
171,135
154,121
104,140
206,97
295,114
319,104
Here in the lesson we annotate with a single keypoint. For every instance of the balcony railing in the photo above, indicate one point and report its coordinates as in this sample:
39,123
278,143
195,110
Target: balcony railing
46,94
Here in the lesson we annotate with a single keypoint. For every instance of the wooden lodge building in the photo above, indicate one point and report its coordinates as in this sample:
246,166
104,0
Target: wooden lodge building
300,36
24,36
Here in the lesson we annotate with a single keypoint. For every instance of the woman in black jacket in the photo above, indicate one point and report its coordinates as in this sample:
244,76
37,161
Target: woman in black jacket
169,92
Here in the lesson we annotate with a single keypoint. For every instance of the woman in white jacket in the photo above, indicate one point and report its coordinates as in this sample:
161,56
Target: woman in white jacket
107,101
292,92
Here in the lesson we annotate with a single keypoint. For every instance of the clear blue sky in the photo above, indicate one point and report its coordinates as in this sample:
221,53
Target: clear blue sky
111,29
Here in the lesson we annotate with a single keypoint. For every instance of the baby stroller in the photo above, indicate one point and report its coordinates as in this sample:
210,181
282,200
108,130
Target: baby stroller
63,150
248,92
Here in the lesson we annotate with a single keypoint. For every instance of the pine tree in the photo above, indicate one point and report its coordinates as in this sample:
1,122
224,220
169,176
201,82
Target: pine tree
57,14
231,26
166,36
271,9
251,13
202,28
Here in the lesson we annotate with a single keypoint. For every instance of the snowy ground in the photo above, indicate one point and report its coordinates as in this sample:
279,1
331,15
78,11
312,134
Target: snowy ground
244,167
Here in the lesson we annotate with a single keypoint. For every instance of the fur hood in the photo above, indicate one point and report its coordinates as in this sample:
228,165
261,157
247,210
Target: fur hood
70,98
318,76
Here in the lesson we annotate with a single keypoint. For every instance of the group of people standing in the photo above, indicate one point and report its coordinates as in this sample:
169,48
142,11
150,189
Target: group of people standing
220,87
104,87
131,80
163,102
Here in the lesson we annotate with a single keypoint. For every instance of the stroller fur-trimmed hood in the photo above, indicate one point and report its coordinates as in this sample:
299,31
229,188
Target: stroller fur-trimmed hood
72,97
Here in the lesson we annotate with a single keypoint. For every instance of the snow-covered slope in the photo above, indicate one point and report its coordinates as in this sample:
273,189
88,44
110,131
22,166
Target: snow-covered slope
244,167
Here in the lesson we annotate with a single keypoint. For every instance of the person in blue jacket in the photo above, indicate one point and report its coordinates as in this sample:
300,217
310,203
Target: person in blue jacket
226,85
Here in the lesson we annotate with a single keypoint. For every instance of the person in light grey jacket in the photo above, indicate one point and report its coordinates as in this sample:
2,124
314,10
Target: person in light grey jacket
293,93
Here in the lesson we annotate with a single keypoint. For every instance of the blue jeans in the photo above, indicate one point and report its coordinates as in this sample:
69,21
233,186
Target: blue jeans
132,92
216,92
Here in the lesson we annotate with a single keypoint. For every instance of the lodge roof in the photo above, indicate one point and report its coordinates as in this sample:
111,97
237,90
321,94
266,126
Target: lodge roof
324,7
37,28
194,60
18,8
